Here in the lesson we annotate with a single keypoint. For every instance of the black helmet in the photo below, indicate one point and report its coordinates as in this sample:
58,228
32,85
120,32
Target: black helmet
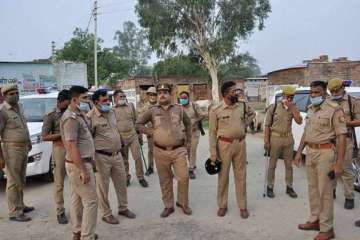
212,169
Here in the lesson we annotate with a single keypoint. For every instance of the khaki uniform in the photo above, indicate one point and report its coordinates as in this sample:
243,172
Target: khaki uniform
149,137
169,149
83,210
51,125
109,162
227,143
193,111
323,124
348,174
281,141
16,142
126,118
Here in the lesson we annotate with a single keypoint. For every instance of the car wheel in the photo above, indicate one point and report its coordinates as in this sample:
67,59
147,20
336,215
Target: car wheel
49,176
356,168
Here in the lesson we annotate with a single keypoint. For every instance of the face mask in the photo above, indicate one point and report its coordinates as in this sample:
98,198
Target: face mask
83,107
316,100
184,101
13,99
233,99
336,97
105,108
122,102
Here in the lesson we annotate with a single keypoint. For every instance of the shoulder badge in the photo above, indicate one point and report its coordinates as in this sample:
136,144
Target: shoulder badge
342,119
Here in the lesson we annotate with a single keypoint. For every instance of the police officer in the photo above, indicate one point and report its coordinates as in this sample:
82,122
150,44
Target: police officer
109,162
325,122
278,138
79,146
194,113
51,132
14,148
227,142
151,101
249,111
169,148
126,117
339,95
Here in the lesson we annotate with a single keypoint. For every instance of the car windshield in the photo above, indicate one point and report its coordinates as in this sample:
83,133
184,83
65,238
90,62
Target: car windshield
354,94
36,108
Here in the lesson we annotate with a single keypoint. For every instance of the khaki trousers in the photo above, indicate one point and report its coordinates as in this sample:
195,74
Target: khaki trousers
165,162
348,173
15,156
110,167
83,208
58,155
150,141
281,146
319,162
134,146
193,149
234,153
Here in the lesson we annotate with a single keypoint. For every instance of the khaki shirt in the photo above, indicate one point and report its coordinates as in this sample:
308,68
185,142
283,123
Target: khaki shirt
146,107
51,122
324,123
73,127
126,118
355,107
194,113
13,127
167,122
226,121
249,111
282,120
104,130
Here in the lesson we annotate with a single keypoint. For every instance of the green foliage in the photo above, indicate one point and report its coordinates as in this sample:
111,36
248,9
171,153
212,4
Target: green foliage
241,65
179,66
80,48
133,47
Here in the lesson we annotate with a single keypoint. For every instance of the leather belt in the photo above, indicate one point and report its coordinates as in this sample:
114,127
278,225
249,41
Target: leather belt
277,134
170,148
231,140
88,160
109,154
320,146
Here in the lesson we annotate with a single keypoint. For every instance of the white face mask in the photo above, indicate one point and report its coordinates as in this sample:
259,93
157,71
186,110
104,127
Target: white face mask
121,102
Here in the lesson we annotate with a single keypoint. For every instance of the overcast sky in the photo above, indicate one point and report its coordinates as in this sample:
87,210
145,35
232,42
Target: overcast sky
295,30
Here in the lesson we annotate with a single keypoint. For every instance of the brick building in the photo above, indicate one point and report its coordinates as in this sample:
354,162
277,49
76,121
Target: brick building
317,69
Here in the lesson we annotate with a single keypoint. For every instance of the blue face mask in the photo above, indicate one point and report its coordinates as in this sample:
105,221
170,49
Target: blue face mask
184,101
105,108
336,97
316,100
83,107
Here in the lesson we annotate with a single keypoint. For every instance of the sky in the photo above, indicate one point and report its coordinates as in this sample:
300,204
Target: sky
296,30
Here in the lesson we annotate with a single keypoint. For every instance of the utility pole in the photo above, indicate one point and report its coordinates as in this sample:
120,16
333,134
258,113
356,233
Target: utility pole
95,44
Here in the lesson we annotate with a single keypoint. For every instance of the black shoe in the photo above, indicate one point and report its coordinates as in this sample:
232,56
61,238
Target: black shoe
143,183
349,204
20,218
28,209
149,171
357,223
62,219
334,193
270,192
290,191
192,174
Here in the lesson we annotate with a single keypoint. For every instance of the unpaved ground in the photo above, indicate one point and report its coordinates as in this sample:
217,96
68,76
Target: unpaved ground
269,219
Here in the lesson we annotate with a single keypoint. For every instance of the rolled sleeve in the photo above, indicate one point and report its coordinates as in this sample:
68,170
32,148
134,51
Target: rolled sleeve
356,108
213,133
71,129
47,125
269,114
339,122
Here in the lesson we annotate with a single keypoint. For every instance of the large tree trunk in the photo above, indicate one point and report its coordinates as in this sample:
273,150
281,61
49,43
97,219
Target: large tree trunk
211,65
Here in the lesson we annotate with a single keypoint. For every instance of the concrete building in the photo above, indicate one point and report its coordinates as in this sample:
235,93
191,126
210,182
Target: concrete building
317,69
37,74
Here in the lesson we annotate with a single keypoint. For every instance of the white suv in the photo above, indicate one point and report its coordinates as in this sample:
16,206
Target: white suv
39,158
302,101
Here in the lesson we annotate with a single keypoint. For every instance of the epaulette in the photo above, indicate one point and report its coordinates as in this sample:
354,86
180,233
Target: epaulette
215,106
50,112
73,115
332,104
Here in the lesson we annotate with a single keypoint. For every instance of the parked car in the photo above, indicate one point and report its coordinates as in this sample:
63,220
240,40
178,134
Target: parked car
39,158
302,101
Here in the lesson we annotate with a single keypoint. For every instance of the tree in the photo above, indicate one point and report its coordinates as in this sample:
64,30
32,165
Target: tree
212,27
80,48
180,66
133,47
241,65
